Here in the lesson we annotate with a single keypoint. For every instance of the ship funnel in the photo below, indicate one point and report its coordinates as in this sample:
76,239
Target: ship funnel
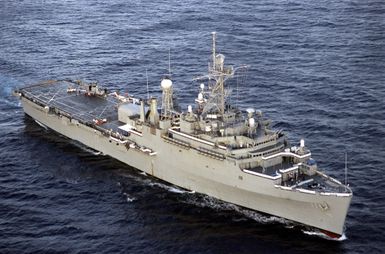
154,116
142,111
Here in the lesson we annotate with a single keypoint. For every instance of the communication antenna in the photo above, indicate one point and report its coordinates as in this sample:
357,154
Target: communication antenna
346,169
148,93
214,54
169,62
241,79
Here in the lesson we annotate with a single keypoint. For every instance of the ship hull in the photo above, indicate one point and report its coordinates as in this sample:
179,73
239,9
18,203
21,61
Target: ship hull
222,179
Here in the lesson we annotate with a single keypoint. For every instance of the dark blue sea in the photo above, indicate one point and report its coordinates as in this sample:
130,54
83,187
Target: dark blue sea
317,69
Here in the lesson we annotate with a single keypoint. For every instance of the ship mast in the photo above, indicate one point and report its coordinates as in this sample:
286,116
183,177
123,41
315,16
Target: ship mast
218,73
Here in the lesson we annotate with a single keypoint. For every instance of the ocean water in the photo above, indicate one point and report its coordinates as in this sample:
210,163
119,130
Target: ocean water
317,69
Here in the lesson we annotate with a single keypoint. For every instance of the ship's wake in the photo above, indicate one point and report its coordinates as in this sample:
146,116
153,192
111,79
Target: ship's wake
7,86
170,188
204,201
85,148
41,125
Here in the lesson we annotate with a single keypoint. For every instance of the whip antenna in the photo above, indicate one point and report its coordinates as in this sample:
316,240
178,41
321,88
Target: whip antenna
169,62
346,169
148,93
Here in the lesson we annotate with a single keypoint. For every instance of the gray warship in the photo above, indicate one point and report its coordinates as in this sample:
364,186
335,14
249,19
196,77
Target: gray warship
213,147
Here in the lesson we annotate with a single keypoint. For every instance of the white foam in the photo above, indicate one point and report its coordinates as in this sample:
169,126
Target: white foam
176,190
324,236
169,188
41,125
86,148
71,181
211,202
129,198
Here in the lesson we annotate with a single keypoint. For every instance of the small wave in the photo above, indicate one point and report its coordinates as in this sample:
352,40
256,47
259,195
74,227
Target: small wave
41,124
153,182
239,219
211,202
262,218
129,198
71,181
90,150
324,236
169,188
86,148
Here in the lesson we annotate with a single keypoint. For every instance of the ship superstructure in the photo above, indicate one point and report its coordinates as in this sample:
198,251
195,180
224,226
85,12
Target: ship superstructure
213,148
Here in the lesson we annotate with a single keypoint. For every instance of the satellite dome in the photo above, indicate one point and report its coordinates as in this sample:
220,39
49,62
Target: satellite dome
250,110
166,83
200,96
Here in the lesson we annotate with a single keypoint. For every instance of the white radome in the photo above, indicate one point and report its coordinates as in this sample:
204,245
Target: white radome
166,83
250,110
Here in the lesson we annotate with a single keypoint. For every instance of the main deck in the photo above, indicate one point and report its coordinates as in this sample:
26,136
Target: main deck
76,102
